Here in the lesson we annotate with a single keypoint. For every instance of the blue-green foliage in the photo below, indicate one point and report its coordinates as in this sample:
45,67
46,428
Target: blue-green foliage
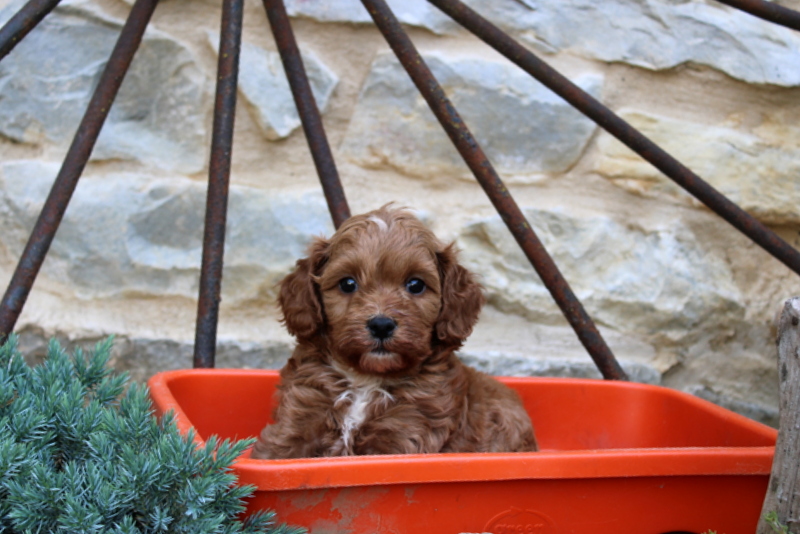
81,452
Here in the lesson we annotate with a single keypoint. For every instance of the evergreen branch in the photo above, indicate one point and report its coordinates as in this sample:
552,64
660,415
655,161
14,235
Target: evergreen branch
80,451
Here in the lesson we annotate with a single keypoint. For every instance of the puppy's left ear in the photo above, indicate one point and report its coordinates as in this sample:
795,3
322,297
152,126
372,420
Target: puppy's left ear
462,299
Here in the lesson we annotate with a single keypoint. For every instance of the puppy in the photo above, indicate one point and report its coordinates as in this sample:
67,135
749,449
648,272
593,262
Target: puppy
378,312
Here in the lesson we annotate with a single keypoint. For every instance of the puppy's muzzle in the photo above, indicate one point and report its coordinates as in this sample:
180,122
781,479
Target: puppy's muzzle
381,327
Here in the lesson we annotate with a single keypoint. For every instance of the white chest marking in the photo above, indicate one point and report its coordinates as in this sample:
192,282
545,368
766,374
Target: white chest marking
362,390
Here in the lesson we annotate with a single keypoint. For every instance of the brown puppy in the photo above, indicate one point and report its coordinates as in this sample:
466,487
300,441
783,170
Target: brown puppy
377,312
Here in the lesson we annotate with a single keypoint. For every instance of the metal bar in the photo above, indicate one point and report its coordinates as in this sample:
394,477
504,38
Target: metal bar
495,189
768,11
205,341
78,154
616,126
23,22
309,113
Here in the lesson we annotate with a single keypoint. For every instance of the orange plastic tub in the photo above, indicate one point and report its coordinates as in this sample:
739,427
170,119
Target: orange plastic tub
617,458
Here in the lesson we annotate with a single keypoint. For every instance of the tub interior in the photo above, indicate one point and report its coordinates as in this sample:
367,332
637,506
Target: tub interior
568,414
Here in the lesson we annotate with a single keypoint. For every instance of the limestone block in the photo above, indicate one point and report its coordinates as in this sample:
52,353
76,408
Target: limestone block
47,81
412,12
265,89
522,127
660,34
129,234
654,34
756,170
658,283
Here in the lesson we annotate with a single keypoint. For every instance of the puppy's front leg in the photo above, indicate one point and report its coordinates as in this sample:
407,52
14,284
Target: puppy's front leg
305,425
402,429
284,439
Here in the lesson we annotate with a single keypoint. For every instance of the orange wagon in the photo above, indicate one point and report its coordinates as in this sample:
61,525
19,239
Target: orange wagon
616,458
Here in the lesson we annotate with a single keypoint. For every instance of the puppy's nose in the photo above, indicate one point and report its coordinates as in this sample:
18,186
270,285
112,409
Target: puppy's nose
381,327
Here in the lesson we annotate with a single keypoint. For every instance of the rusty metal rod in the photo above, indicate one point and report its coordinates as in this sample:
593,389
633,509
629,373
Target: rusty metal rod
768,11
308,110
491,183
23,22
205,340
78,154
616,126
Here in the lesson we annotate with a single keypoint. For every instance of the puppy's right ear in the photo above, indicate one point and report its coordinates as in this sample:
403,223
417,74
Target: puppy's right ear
299,298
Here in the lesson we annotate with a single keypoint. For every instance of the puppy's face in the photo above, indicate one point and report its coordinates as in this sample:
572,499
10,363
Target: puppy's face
381,294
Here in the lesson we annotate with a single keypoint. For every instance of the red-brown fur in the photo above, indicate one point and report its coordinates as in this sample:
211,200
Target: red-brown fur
417,396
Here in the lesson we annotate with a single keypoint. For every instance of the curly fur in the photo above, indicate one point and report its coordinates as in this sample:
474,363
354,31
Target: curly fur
346,391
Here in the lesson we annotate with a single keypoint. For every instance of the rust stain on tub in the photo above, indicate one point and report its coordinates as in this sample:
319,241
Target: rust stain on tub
409,493
352,501
303,500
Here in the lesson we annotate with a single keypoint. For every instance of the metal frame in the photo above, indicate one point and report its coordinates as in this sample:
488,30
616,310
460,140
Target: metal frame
78,154
222,141
219,172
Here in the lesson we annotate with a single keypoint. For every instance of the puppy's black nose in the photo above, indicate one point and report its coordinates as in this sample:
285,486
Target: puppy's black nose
381,327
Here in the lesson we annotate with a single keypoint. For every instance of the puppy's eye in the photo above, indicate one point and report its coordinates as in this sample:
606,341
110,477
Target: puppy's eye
348,285
415,286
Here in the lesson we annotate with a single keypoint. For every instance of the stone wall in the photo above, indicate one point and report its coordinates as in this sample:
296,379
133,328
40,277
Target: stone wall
681,297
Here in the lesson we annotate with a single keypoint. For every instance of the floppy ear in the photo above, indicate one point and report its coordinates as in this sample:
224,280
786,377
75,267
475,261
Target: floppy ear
299,296
462,300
